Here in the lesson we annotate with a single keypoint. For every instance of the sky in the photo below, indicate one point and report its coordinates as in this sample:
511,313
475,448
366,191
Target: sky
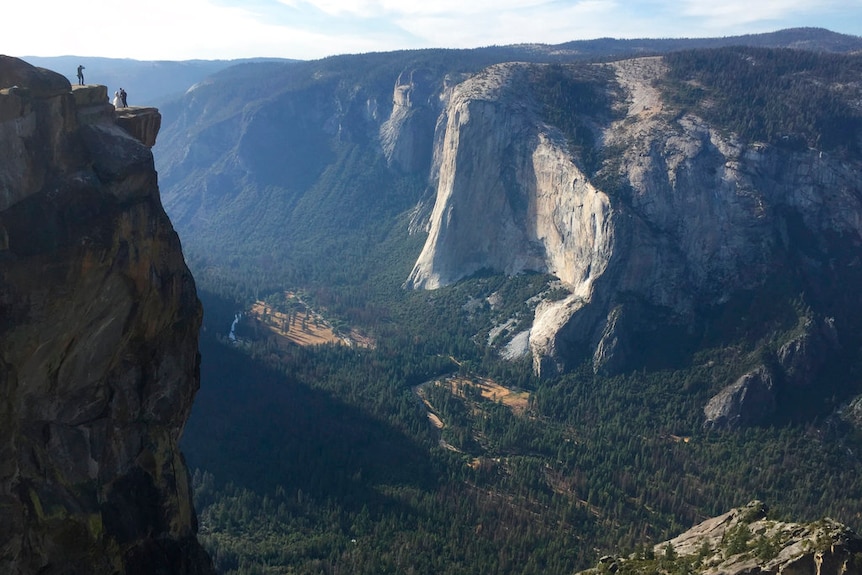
310,29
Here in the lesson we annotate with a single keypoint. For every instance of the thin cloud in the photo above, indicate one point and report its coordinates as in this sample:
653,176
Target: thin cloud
307,29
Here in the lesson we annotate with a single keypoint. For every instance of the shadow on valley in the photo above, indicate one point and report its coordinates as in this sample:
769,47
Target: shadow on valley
259,430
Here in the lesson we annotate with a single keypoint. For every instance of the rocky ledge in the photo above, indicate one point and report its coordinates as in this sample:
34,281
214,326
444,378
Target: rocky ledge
142,123
745,542
92,106
99,324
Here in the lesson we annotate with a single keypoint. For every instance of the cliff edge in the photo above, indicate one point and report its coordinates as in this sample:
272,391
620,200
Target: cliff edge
99,324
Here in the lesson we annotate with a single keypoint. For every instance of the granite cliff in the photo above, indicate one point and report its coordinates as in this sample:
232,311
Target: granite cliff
676,217
99,323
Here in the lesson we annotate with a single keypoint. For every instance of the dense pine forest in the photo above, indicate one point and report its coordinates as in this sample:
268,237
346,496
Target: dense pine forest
323,460
779,96
327,459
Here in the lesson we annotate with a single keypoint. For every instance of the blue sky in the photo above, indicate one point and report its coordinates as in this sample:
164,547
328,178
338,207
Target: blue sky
308,29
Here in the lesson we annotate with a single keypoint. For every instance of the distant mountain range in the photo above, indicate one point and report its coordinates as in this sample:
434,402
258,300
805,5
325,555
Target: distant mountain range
148,82
153,82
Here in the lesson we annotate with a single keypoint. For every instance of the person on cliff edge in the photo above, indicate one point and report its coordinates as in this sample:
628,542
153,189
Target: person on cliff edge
123,98
80,75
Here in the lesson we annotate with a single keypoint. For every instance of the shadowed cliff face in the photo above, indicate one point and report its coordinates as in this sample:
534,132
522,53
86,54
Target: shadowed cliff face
98,342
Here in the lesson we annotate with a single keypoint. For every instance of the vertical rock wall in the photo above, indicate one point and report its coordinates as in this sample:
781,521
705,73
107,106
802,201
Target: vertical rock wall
99,323
678,217
509,197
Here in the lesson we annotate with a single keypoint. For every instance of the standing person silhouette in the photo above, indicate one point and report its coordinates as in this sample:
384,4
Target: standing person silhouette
123,98
80,75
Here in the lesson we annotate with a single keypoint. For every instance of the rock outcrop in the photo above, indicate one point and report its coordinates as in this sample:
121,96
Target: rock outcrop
92,106
745,541
405,136
141,122
98,342
803,356
679,217
752,398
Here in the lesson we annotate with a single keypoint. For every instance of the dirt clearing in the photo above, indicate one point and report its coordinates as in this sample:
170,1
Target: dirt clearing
517,401
298,327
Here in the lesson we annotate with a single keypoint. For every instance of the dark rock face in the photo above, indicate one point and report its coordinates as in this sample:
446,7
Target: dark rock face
752,398
802,357
99,323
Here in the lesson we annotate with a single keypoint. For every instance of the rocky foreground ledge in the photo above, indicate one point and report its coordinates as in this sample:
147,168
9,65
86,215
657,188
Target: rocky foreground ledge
745,542
92,107
99,323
